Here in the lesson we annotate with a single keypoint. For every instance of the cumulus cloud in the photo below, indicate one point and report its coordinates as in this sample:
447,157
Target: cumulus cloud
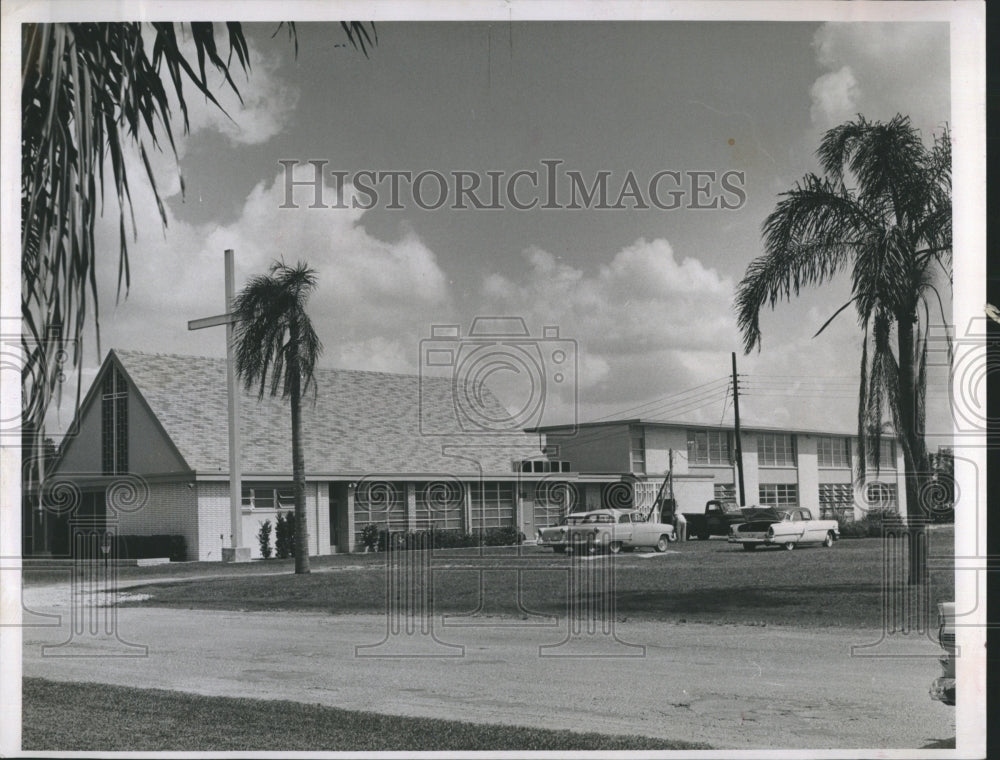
880,69
268,103
645,324
834,97
373,303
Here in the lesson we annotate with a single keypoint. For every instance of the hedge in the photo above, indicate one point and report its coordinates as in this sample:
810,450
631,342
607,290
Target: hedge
148,547
449,539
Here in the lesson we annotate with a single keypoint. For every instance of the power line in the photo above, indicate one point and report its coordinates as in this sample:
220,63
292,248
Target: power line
662,399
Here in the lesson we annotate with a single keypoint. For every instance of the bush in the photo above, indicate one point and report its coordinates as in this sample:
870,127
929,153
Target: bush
264,539
370,537
872,525
446,539
148,547
284,535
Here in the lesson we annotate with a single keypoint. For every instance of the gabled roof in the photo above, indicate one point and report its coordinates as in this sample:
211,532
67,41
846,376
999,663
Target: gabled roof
361,422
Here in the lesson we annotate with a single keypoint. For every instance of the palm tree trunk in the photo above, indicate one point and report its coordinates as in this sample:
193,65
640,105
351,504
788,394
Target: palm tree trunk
913,458
298,474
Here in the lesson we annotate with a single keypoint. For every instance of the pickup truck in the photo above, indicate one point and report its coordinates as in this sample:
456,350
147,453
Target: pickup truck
716,520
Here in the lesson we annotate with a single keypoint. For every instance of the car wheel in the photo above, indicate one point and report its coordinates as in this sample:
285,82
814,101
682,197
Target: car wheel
749,547
615,547
789,546
828,541
661,545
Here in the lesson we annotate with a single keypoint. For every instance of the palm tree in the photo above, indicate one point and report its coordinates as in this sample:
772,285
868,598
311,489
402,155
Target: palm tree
90,92
276,349
892,232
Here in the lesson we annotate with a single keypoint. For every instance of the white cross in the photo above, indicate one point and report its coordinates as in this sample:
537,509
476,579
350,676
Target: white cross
235,488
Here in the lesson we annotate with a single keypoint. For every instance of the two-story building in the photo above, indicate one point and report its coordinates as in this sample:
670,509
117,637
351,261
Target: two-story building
781,467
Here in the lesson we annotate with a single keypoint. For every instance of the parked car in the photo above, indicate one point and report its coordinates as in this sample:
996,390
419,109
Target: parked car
790,527
555,536
943,688
716,520
611,530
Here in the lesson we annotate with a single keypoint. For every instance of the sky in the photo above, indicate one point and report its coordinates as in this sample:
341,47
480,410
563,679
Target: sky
642,297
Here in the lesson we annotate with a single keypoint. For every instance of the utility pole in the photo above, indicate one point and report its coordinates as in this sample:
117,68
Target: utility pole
739,444
671,476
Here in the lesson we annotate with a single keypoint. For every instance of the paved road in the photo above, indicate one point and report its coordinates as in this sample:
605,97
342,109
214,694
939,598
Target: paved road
740,687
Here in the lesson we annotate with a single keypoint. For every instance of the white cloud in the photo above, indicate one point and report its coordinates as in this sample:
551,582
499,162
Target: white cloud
374,300
646,323
880,69
834,97
268,103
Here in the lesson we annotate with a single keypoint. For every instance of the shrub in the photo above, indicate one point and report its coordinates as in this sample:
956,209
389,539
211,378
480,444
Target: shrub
284,535
506,536
148,547
264,539
370,537
872,525
290,527
447,539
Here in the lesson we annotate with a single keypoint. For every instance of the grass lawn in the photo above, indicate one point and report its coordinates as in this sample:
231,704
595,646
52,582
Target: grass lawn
704,581
101,718
35,576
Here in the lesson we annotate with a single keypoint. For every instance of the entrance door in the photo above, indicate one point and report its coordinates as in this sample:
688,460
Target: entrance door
527,509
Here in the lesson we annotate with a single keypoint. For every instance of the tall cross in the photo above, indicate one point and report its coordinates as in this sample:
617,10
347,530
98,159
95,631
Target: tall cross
235,488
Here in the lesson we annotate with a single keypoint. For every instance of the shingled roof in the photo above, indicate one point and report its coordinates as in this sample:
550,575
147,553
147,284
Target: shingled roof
361,422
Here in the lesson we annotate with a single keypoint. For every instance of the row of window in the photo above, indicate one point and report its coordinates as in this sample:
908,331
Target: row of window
714,447
439,505
832,496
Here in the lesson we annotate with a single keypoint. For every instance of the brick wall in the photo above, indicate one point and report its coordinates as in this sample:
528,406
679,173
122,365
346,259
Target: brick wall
169,509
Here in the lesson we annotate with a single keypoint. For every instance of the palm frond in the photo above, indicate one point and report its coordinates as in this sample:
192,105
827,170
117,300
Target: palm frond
90,94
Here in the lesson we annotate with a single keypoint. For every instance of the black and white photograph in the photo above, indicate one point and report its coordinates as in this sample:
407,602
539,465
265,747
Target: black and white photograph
494,377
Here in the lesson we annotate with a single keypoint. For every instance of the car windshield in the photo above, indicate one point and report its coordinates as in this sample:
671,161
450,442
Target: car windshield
574,519
596,518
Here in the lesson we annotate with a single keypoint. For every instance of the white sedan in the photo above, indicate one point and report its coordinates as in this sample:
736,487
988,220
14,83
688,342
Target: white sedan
611,530
789,528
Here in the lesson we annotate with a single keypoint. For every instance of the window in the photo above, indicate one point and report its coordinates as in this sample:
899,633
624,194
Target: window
268,495
779,494
638,451
541,465
836,500
492,505
380,502
708,447
625,518
886,455
833,452
775,450
114,423
440,505
725,492
881,496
